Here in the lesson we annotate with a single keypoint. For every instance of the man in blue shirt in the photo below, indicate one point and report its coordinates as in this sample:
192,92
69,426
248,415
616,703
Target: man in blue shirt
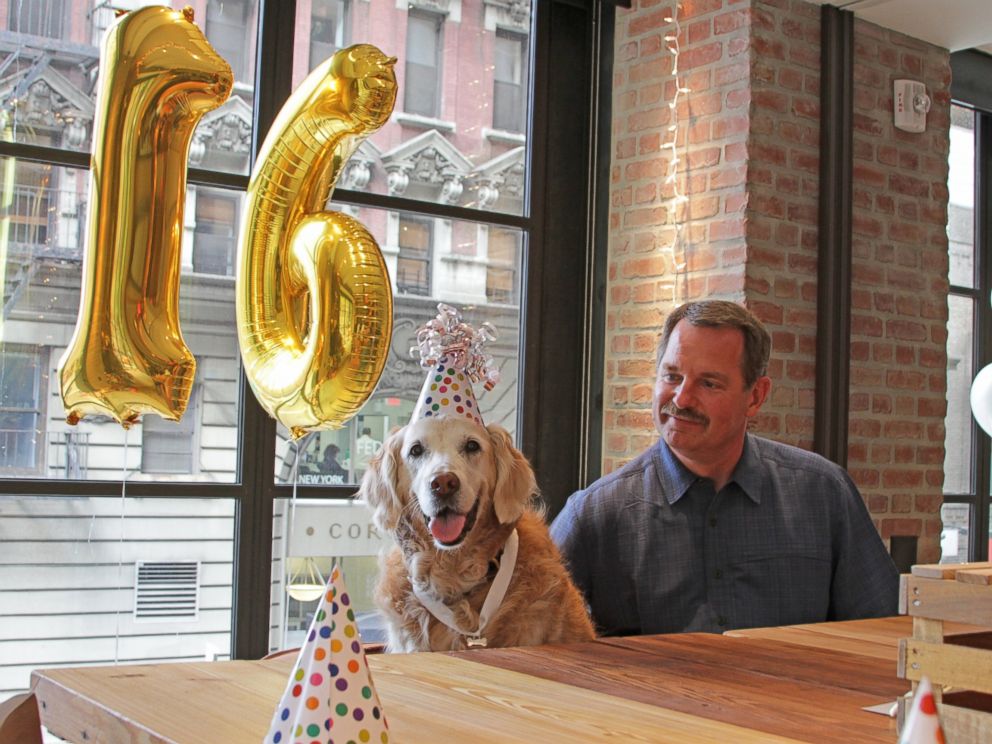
713,528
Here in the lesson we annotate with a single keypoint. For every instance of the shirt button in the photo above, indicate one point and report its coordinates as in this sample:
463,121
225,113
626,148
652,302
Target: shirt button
718,574
721,621
712,521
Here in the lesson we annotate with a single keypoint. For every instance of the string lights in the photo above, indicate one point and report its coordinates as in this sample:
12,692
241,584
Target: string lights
676,213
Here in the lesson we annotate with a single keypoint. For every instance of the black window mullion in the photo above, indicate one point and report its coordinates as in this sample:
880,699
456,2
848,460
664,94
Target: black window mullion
979,533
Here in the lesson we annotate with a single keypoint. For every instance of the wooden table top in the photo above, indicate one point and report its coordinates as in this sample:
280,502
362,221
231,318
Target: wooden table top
689,687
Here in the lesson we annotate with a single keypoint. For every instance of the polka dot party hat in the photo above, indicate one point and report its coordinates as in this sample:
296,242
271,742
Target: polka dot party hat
330,697
452,352
922,724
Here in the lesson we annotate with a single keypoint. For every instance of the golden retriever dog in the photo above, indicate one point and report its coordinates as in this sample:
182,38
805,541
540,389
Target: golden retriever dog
450,492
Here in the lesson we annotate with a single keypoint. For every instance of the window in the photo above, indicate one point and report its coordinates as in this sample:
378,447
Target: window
215,241
213,488
328,31
227,30
504,257
967,450
413,267
423,64
170,446
38,17
21,393
510,82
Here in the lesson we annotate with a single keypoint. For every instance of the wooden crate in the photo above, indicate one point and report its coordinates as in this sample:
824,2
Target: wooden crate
958,666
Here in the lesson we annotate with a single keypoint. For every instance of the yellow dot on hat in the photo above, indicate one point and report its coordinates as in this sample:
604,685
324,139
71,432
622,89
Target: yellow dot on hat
445,402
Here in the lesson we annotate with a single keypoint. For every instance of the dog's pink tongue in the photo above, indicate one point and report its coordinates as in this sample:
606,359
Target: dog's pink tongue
448,527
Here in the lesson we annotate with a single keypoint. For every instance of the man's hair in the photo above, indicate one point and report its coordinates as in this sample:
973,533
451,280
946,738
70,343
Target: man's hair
367,430
724,314
333,449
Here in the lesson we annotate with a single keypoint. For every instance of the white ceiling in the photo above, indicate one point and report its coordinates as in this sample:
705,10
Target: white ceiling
954,24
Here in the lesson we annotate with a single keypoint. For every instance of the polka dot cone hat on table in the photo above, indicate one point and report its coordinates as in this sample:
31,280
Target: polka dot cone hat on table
922,724
330,697
452,352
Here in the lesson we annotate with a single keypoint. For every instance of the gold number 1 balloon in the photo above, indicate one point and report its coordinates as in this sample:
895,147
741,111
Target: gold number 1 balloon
158,76
314,304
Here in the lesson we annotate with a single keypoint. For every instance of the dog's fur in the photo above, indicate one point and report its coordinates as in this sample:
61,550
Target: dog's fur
437,467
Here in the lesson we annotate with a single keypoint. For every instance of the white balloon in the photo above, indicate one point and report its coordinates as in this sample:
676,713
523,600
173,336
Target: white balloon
981,399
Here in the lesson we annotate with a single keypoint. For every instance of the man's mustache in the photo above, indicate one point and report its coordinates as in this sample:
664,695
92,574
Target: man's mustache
686,414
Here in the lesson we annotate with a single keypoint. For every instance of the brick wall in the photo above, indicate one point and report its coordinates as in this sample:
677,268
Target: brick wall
899,315
654,265
749,141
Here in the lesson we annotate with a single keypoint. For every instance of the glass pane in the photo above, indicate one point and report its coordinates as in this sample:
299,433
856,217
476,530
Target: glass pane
42,233
95,586
463,263
458,132
961,198
954,538
320,533
48,75
958,424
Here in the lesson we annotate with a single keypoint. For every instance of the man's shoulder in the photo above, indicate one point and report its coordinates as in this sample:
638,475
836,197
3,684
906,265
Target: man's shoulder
789,457
625,481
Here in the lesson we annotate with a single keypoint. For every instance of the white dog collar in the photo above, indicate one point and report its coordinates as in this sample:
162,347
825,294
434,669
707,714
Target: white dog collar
491,604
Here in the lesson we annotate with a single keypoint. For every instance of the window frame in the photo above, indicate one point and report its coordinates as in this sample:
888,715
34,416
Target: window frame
563,279
970,73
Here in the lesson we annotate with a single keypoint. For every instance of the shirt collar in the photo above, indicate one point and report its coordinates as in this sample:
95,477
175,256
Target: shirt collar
676,478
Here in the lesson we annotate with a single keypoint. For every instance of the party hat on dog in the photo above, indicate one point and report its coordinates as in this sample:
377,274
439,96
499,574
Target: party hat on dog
330,695
452,352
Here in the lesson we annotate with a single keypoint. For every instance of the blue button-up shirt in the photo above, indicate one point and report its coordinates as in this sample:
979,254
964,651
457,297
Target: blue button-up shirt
788,540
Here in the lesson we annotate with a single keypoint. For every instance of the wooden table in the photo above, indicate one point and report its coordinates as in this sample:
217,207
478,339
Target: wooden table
691,687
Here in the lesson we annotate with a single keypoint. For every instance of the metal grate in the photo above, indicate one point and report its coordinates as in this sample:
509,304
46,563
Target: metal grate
166,592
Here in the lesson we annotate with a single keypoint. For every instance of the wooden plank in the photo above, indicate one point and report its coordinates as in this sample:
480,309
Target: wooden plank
945,570
786,692
965,724
948,665
427,698
877,637
949,600
982,576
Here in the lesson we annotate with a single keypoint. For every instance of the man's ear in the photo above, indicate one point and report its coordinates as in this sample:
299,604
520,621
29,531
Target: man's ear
515,485
381,486
758,395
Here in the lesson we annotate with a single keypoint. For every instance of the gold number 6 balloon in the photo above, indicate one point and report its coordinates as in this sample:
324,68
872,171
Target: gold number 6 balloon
158,76
314,304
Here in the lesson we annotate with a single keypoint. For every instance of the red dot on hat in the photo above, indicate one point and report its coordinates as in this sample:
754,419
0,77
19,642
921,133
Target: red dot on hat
928,706
460,409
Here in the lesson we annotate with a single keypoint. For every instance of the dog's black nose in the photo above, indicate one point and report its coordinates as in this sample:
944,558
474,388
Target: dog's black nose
444,484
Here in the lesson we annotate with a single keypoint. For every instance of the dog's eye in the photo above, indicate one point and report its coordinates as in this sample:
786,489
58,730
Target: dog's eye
416,450
472,446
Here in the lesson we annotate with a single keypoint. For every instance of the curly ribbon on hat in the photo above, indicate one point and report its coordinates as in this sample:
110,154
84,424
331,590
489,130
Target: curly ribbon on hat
447,337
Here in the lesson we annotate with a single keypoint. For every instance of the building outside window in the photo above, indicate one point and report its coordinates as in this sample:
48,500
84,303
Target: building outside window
328,31
38,17
504,257
21,396
215,239
170,447
227,29
413,266
423,64
510,82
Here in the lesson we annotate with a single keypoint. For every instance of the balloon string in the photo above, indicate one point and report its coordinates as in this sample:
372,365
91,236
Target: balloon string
120,556
294,476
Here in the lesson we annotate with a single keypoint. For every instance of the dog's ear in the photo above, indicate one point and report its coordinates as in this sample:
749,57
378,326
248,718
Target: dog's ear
380,484
515,486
